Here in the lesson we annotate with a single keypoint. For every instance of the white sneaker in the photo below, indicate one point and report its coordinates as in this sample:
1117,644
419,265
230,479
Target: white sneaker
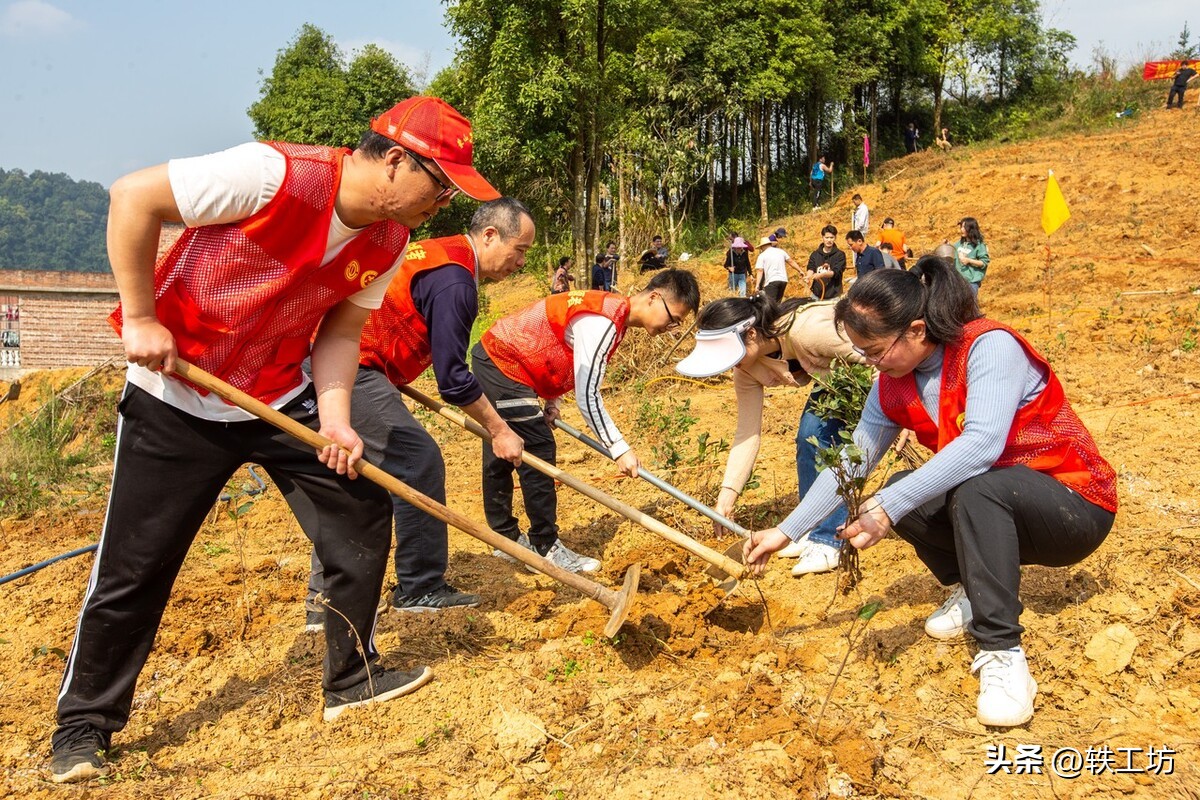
795,549
562,556
1006,689
949,621
522,540
816,558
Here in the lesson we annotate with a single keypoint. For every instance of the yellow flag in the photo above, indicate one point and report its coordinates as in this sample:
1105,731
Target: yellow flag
1054,207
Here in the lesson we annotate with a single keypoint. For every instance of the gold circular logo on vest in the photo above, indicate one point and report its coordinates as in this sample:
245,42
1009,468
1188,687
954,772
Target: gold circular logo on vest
368,277
352,270
961,421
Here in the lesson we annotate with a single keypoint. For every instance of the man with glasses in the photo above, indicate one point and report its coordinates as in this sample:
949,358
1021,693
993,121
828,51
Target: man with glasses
426,321
556,345
287,249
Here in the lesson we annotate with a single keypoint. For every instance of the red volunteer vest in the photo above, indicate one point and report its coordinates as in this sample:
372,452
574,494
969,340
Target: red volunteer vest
1046,435
395,339
244,299
530,346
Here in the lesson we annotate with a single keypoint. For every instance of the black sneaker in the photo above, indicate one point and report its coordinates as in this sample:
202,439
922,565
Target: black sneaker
445,596
384,685
80,757
314,621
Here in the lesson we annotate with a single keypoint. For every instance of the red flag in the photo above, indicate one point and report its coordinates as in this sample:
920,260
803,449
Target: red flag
866,150
1156,70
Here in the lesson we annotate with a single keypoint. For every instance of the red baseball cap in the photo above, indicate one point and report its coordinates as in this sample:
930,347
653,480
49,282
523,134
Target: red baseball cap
431,128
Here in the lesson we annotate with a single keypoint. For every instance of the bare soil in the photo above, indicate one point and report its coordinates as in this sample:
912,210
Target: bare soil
702,695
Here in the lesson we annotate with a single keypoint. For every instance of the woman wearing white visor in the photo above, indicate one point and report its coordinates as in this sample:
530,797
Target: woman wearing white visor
773,345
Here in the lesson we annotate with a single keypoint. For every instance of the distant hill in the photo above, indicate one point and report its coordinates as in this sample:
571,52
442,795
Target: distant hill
49,221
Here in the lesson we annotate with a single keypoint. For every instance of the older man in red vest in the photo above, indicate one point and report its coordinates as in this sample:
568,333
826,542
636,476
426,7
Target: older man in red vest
281,239
426,320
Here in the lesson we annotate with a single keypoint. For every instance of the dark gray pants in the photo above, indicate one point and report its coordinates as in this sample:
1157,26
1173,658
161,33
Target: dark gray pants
982,531
395,442
169,469
517,405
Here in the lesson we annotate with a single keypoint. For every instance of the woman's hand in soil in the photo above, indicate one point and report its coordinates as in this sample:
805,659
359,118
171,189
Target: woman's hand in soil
871,526
760,545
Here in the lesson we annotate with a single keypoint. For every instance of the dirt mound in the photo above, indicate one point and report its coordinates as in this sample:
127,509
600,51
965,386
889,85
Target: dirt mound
702,695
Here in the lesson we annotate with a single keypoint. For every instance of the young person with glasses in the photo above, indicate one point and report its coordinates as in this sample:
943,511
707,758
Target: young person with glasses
774,345
1015,478
559,344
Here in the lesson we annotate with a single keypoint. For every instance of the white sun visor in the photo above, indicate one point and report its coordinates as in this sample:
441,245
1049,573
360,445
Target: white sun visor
716,351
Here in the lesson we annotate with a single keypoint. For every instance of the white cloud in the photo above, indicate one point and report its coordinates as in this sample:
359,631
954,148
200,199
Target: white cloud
26,18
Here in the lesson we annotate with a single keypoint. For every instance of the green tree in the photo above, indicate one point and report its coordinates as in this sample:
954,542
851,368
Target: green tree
1185,47
312,96
49,221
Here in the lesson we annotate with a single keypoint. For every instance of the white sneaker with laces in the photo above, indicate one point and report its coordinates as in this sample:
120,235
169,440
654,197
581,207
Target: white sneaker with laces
1006,689
522,540
816,558
949,621
562,556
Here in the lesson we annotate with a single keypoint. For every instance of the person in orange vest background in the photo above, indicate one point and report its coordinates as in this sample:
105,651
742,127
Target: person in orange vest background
888,234
545,350
280,239
1016,478
426,320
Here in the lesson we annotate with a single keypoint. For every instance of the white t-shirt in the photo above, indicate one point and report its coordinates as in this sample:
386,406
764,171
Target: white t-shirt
225,187
773,262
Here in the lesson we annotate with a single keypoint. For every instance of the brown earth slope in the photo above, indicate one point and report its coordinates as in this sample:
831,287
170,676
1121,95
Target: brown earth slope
699,697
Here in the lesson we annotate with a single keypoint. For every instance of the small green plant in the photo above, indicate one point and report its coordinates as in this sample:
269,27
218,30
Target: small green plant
853,634
214,549
667,426
46,650
842,397
567,670
589,639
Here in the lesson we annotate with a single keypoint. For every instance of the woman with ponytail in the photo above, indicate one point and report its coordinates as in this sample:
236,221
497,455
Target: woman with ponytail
1015,478
773,345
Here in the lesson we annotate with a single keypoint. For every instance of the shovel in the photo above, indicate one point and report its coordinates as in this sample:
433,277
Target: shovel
617,602
722,566
734,551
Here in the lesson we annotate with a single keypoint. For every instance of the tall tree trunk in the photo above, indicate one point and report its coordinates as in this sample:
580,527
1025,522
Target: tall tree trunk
812,122
622,198
579,229
735,174
712,177
760,131
873,94
939,83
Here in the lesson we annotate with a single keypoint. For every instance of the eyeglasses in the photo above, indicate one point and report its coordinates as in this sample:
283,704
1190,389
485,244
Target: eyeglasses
878,359
673,324
448,192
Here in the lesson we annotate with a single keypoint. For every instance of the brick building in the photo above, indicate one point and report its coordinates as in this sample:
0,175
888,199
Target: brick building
55,319
51,319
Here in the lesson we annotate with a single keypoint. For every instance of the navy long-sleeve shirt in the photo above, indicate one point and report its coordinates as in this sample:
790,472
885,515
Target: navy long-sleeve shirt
448,299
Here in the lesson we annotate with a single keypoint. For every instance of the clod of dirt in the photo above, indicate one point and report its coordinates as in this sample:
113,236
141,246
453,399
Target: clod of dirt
531,605
1112,649
519,734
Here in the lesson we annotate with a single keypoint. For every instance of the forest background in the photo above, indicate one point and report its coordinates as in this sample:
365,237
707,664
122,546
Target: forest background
621,119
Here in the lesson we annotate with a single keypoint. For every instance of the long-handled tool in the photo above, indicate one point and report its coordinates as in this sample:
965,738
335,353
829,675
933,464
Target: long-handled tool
720,562
617,602
657,482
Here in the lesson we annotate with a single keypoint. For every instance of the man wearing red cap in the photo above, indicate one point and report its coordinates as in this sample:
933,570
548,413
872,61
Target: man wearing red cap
281,238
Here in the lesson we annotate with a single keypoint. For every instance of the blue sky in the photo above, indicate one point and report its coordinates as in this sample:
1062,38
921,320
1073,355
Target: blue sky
97,89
